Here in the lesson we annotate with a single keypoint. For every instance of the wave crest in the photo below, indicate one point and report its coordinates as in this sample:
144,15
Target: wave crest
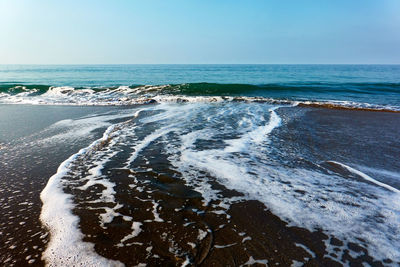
304,95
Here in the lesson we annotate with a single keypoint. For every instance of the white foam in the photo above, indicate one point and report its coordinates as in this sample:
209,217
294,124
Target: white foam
57,223
225,246
246,238
341,207
186,262
366,177
297,263
189,99
169,113
109,214
380,172
202,234
59,91
144,143
71,130
239,160
306,249
255,136
136,229
94,178
253,261
66,246
155,212
124,95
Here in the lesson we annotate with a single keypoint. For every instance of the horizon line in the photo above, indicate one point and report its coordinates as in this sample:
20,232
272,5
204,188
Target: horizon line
74,64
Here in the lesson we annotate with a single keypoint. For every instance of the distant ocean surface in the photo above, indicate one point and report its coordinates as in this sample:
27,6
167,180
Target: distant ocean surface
375,85
212,165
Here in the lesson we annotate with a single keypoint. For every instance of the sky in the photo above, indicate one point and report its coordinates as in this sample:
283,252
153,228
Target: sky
200,32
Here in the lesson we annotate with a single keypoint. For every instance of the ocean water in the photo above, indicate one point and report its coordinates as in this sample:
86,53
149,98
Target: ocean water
200,164
376,85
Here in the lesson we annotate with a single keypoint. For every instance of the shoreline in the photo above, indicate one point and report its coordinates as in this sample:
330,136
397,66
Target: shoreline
159,201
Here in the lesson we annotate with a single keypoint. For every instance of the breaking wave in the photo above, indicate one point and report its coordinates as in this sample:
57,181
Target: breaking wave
352,96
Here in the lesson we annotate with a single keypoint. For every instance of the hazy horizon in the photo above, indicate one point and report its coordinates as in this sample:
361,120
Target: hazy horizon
105,64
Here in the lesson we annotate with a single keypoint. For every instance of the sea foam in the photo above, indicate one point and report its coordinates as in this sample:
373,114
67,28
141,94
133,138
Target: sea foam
125,95
233,143
344,208
66,247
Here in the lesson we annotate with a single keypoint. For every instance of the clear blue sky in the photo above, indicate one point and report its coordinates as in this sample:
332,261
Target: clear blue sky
194,31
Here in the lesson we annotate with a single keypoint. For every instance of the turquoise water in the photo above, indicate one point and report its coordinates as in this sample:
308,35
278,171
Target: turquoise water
155,161
111,75
373,84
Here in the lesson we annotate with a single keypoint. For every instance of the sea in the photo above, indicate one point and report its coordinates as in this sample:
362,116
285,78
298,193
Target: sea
189,165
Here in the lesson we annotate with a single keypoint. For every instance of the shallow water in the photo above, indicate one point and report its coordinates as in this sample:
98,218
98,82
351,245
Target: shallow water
218,154
200,173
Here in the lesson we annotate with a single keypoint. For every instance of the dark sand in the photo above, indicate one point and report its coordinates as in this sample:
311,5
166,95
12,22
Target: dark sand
24,171
25,167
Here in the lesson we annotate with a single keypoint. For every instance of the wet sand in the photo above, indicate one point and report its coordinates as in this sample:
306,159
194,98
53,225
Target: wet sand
247,233
176,226
25,167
